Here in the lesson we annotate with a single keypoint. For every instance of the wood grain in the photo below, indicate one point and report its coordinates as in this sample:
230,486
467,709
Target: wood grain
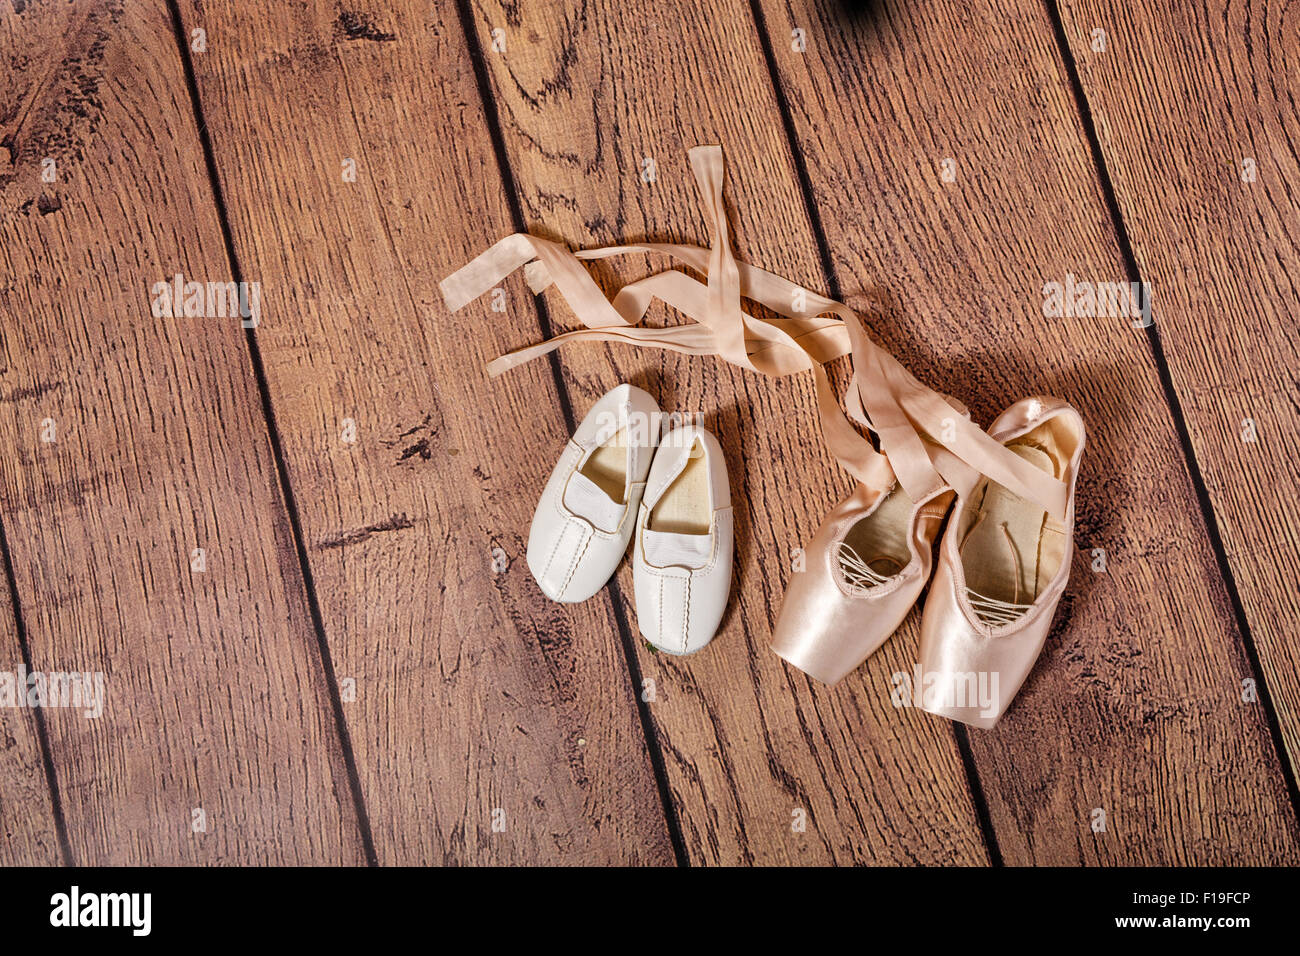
27,831
588,92
478,701
1135,707
215,697
468,698
1183,96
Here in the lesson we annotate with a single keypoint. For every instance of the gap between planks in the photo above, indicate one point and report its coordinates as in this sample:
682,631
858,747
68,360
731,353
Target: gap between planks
626,638
277,449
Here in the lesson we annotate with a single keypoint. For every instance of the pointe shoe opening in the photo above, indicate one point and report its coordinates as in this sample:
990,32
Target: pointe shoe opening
607,467
876,548
685,506
1012,549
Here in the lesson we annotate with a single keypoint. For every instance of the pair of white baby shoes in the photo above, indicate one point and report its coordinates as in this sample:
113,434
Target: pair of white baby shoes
618,475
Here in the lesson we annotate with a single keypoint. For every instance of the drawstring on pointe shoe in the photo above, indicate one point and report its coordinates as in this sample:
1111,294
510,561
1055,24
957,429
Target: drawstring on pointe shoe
993,612
859,573
989,610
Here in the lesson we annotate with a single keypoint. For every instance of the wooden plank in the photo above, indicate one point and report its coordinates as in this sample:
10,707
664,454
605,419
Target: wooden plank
1135,707
1195,109
136,440
588,93
477,701
27,832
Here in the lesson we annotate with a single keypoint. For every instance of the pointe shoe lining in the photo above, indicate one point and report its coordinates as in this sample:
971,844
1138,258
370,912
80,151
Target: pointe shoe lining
1010,548
876,547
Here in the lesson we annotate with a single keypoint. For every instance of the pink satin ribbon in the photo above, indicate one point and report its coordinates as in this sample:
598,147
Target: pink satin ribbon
928,442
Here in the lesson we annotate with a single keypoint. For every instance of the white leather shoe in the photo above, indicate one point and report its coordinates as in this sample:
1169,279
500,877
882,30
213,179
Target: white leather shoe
681,562
588,509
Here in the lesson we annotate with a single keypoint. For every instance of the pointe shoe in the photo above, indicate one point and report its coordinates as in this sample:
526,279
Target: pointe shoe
587,511
864,570
1003,566
681,561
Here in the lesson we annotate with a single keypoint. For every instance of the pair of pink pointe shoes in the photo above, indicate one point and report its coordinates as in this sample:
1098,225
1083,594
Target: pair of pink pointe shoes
1003,565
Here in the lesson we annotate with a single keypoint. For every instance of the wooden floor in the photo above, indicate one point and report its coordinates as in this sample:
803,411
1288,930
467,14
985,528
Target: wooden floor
296,551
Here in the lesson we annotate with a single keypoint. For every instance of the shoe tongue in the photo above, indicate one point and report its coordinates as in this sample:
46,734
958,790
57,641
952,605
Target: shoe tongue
587,500
663,549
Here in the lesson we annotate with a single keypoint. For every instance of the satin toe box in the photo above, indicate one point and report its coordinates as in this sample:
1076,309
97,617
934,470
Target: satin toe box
971,673
827,633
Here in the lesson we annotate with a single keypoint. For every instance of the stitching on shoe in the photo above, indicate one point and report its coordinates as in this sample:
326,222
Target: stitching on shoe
554,549
661,604
686,615
557,503
577,559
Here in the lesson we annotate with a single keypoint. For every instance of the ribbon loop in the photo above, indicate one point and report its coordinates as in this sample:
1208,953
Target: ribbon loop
929,441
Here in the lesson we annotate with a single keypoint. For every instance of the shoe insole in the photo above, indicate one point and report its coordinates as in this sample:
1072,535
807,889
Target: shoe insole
880,539
1002,551
685,507
607,467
